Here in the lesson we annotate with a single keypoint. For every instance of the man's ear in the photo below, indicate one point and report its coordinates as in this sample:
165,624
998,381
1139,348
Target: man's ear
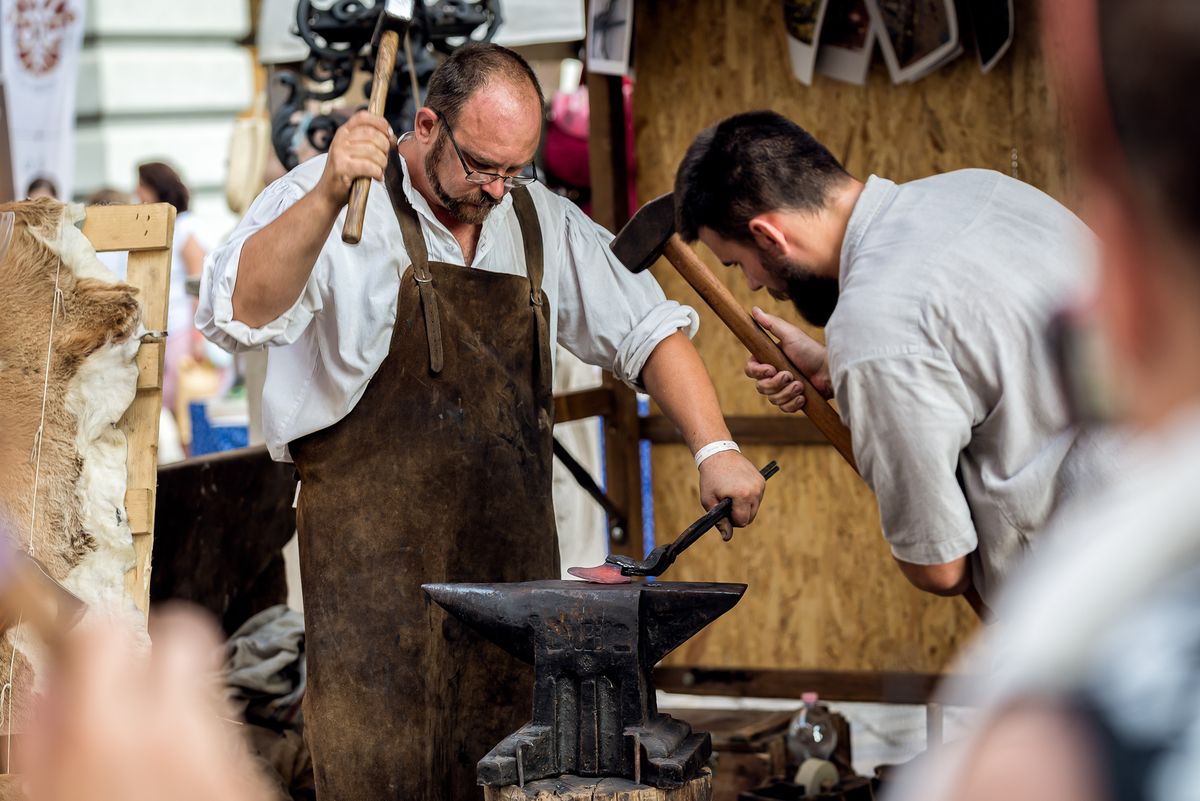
425,125
768,236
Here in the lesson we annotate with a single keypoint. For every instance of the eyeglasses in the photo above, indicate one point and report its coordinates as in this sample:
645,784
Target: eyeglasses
480,178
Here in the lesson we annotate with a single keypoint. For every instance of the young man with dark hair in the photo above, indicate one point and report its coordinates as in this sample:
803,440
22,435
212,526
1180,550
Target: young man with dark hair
935,296
410,381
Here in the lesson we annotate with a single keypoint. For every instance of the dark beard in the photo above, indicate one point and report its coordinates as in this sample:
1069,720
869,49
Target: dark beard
474,207
814,296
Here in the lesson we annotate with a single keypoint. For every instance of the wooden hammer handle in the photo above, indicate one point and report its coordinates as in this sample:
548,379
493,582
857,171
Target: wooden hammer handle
385,62
758,342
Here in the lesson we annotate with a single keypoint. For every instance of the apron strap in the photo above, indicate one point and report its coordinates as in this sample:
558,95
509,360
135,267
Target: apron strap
414,243
531,234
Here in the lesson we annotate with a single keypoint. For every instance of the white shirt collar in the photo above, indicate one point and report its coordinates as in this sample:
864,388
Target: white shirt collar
876,191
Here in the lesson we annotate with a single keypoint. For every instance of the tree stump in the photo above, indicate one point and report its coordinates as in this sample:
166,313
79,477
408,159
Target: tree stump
576,788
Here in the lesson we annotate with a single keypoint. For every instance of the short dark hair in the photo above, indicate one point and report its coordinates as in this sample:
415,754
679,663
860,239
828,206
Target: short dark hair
166,183
470,67
41,182
746,165
1150,55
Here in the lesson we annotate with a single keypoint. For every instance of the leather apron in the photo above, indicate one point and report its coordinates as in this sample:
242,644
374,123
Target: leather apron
440,473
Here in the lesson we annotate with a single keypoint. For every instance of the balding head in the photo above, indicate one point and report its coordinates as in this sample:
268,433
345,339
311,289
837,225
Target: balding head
471,67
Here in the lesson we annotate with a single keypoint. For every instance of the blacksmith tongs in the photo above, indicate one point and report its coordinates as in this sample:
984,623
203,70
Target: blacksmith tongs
664,556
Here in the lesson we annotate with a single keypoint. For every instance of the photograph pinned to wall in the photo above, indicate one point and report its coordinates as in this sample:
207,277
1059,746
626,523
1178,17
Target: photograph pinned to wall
916,36
802,21
847,42
992,22
609,36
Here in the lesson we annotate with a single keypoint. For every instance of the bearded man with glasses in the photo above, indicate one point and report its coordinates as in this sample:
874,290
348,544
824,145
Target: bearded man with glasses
410,382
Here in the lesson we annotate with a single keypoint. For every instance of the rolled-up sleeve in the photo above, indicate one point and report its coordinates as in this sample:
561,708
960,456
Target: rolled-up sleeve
911,419
608,316
214,313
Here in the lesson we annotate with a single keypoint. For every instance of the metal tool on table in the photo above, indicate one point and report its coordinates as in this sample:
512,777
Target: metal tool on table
393,22
651,233
617,568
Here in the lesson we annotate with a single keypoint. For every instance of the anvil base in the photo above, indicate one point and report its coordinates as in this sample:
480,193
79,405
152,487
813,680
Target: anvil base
664,753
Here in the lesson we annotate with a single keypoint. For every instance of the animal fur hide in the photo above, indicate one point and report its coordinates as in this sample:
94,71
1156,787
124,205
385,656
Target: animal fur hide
78,527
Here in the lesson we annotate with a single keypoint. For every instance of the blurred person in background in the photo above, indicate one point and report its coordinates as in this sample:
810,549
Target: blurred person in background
188,362
1096,688
41,187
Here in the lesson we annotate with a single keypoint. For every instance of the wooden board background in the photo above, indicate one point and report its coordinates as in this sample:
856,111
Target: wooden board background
824,592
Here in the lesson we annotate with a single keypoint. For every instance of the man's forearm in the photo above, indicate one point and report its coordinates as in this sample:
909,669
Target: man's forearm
278,259
676,378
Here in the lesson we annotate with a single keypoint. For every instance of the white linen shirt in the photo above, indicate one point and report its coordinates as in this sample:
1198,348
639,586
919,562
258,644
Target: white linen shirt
328,345
940,363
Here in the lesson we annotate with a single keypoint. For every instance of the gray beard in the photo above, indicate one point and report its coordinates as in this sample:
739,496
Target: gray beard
474,207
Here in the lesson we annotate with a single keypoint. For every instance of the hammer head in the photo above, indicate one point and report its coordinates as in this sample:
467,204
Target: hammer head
395,15
641,241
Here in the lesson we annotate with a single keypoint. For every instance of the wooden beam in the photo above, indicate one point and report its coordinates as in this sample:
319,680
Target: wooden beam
607,160
608,151
584,403
746,430
132,228
146,231
871,687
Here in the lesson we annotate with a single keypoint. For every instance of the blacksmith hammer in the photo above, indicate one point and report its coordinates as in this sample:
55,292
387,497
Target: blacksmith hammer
394,19
650,233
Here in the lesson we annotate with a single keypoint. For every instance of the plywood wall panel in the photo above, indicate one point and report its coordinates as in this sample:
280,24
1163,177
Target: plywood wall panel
824,592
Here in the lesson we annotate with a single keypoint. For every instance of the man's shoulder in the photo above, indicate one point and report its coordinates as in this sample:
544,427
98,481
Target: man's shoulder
304,176
955,179
970,192
557,215
548,202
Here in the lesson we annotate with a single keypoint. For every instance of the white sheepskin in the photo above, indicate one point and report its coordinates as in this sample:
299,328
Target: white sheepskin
98,395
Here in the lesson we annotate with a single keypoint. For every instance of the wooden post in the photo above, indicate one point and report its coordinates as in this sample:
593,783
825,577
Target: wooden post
607,151
575,788
146,232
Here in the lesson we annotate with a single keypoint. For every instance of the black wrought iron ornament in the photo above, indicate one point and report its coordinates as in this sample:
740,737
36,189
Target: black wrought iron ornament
593,648
338,35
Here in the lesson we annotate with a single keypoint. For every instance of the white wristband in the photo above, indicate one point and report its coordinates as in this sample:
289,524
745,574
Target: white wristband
715,447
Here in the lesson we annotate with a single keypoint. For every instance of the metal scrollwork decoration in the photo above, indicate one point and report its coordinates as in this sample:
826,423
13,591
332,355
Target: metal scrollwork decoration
338,35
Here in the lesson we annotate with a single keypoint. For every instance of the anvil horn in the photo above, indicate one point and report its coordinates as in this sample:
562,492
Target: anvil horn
489,609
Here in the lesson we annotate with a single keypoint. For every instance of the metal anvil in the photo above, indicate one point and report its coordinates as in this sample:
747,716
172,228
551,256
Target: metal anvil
593,647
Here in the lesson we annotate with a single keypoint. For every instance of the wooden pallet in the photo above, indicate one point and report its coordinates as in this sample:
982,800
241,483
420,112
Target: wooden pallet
146,232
